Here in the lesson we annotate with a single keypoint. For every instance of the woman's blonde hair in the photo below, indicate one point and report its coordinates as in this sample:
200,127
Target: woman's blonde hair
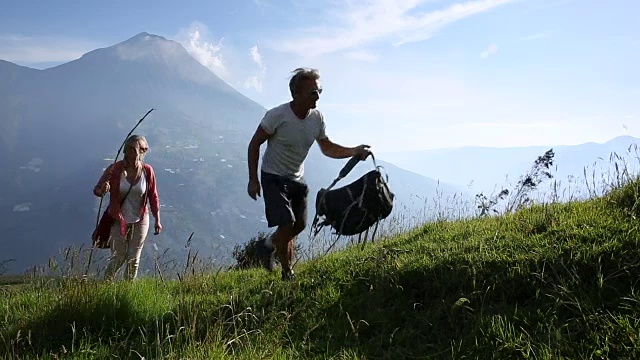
134,139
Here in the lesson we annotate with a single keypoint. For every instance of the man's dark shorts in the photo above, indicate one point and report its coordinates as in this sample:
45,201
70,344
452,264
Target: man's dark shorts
285,200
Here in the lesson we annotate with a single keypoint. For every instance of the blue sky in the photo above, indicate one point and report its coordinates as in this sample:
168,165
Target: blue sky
398,75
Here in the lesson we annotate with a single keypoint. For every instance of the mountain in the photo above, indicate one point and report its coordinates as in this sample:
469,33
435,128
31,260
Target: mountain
486,169
63,125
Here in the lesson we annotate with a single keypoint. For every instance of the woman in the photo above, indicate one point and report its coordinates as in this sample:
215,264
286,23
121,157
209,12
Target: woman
131,184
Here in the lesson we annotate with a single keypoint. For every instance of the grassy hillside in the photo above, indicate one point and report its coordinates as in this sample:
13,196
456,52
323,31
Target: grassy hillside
546,282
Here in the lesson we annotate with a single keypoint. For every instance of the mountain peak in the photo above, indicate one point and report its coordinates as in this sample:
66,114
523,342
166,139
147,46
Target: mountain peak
150,59
144,36
142,47
145,45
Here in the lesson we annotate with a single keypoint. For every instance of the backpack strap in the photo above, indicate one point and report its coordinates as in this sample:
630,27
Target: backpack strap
346,169
125,195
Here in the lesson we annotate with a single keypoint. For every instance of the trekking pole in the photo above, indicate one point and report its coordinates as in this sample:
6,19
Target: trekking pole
101,198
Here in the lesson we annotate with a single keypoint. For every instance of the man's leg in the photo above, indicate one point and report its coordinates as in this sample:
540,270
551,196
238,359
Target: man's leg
290,246
286,236
299,208
279,214
282,240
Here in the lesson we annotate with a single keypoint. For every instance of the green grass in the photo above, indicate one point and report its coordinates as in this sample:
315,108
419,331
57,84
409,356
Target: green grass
551,281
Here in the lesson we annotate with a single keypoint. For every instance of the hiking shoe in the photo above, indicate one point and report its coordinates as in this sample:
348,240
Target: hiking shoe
267,255
288,275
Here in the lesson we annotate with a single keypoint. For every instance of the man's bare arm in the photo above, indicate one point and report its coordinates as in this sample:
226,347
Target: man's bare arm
253,152
336,151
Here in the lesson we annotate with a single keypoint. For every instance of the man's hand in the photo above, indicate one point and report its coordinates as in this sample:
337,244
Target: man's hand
362,151
157,228
253,189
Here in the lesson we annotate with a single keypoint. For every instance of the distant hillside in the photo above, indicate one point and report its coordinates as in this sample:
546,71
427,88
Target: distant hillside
62,126
485,169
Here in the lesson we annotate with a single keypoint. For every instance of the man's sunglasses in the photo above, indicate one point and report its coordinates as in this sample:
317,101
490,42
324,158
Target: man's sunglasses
315,92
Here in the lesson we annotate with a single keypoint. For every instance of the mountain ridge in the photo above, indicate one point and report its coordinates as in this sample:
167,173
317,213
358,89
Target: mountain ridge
623,138
64,124
486,168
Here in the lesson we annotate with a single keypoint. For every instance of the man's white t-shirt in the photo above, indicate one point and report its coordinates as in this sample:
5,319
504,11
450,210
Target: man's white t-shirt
292,138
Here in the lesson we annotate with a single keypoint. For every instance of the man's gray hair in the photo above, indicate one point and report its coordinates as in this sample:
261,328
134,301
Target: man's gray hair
300,75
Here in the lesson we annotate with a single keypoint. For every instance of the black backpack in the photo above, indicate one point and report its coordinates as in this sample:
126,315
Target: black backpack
354,208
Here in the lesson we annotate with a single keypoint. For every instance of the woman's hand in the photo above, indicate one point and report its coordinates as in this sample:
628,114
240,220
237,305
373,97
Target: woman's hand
157,228
102,189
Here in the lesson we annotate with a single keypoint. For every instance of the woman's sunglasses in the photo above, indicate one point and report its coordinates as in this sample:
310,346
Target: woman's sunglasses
142,149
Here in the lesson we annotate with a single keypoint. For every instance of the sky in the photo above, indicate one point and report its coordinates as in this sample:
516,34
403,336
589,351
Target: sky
397,75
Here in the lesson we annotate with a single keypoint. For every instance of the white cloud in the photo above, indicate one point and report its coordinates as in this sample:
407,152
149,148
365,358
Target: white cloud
256,80
197,41
255,55
489,51
369,21
238,67
27,50
362,55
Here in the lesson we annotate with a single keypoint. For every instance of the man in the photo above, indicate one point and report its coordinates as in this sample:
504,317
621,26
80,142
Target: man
290,129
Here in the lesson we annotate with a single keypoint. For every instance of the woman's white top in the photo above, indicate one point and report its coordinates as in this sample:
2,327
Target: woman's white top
131,205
